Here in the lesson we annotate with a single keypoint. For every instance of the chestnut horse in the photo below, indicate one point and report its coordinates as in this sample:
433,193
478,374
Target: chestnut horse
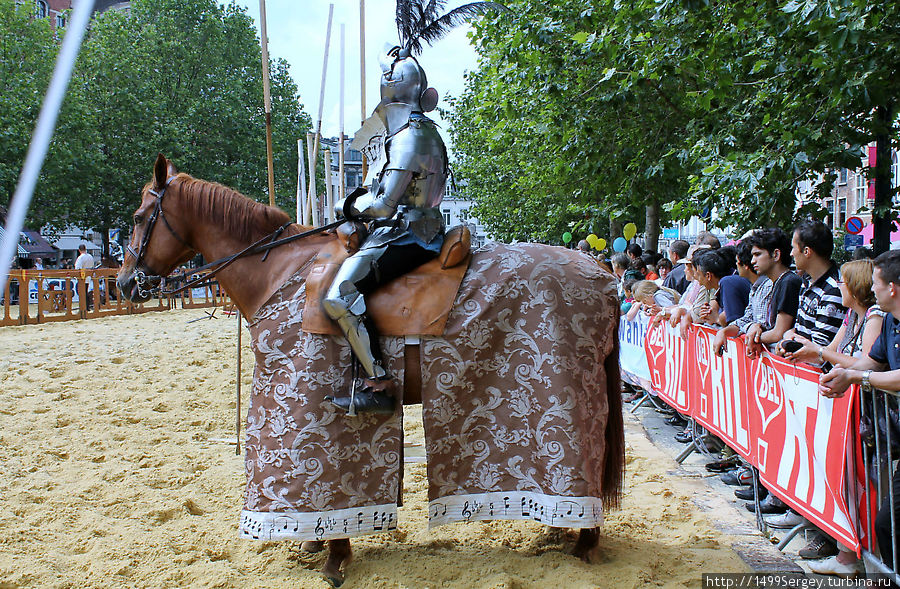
577,378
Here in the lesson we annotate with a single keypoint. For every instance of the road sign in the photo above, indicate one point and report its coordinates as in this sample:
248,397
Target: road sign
854,225
852,242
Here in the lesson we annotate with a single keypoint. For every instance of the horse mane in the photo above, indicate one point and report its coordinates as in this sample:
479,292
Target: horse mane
243,217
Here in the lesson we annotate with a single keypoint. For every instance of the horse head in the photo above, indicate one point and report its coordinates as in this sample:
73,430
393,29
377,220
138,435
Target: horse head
158,243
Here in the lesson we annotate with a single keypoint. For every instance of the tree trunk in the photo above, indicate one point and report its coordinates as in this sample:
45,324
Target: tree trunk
883,217
651,230
104,247
615,230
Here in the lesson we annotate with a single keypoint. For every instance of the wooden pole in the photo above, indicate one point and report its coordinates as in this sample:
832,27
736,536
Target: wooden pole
301,181
264,43
329,188
341,180
237,420
362,71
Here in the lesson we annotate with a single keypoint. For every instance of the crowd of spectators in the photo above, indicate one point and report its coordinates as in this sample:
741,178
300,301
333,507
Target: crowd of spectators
783,293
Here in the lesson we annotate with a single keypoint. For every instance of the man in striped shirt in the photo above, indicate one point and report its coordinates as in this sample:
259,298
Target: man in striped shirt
821,313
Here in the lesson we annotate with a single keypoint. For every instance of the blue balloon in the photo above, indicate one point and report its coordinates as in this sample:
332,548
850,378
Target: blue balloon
620,244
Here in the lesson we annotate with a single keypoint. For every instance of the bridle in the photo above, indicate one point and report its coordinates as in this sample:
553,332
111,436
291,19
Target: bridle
155,284
147,284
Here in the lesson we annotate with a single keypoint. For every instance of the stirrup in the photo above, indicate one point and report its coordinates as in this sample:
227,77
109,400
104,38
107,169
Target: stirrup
376,396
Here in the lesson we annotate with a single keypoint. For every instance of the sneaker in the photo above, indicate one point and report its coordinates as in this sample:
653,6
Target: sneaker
819,547
786,521
746,493
831,566
772,504
684,437
722,465
739,477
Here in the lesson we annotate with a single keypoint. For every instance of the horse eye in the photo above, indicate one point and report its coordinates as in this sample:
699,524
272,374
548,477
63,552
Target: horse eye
137,220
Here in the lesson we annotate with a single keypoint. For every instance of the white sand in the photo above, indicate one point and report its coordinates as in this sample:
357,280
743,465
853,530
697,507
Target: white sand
117,472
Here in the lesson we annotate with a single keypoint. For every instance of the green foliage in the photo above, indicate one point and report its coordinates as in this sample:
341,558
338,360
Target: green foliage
598,108
180,77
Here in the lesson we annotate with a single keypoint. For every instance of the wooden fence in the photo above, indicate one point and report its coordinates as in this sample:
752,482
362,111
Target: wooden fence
43,296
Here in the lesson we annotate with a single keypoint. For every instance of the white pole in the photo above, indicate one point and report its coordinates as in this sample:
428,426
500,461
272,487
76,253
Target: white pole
237,419
310,194
43,133
362,71
301,181
267,100
329,188
318,139
341,136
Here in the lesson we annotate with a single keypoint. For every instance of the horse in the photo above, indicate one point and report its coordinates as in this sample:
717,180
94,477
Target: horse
521,395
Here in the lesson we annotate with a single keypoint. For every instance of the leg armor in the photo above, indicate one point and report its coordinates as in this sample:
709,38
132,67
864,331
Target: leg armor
345,304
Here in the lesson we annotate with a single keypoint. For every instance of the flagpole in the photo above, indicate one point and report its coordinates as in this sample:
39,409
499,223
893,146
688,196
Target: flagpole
318,138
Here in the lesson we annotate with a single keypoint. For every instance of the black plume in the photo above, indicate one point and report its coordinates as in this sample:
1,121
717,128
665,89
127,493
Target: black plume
418,20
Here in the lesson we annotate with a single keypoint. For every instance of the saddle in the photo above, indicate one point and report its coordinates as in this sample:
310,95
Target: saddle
425,295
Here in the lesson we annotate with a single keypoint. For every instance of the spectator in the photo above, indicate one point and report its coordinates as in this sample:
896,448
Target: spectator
634,251
862,322
771,258
820,313
651,295
676,279
584,246
620,263
637,269
682,312
650,263
862,253
663,267
628,296
707,238
759,298
879,369
705,309
714,272
85,261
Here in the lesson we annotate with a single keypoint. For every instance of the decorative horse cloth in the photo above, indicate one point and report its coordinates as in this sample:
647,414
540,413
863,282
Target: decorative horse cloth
515,405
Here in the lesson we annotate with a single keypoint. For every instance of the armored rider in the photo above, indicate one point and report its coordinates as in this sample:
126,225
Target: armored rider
405,181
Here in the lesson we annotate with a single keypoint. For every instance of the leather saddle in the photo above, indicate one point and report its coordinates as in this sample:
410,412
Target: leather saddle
417,303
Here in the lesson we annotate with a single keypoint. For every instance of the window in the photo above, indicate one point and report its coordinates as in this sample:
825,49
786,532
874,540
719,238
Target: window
60,21
843,177
446,213
829,206
861,187
42,10
842,218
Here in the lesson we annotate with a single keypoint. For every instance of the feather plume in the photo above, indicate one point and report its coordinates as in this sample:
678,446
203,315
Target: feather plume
418,20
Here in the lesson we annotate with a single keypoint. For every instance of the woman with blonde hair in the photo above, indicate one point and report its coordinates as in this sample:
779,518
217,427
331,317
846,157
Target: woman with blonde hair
651,296
861,326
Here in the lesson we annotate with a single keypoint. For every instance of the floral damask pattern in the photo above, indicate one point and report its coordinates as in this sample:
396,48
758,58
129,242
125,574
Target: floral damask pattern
514,401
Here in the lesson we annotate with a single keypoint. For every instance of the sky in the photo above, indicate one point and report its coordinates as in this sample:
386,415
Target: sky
297,33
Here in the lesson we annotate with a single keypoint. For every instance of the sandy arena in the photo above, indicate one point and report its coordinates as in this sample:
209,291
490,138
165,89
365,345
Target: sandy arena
119,470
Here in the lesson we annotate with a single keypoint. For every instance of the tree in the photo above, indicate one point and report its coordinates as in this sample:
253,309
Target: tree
673,106
181,77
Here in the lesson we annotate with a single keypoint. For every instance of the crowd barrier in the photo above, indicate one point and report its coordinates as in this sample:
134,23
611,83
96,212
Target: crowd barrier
43,296
808,449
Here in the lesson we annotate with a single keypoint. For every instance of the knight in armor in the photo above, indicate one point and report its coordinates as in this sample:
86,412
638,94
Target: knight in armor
405,183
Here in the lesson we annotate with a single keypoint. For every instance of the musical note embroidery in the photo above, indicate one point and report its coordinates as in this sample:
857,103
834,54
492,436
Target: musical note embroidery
327,525
577,512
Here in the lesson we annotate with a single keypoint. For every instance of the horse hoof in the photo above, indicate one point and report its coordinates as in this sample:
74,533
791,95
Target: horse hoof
586,555
334,579
313,546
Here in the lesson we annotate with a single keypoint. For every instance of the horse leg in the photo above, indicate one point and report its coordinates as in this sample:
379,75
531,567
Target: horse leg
313,546
339,554
588,539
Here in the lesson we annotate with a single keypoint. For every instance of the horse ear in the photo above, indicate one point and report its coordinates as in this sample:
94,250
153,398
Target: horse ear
160,171
170,169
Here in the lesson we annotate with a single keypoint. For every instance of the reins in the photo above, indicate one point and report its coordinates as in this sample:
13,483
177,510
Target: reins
153,284
254,248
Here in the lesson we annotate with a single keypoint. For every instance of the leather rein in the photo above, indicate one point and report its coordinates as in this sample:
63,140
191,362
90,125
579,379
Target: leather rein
155,283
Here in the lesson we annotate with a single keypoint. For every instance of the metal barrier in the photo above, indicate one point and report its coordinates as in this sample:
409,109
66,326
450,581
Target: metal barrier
43,296
878,443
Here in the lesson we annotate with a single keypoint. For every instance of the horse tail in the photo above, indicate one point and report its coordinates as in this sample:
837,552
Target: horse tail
614,468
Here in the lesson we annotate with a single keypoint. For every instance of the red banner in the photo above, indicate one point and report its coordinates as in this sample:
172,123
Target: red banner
769,411
667,357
